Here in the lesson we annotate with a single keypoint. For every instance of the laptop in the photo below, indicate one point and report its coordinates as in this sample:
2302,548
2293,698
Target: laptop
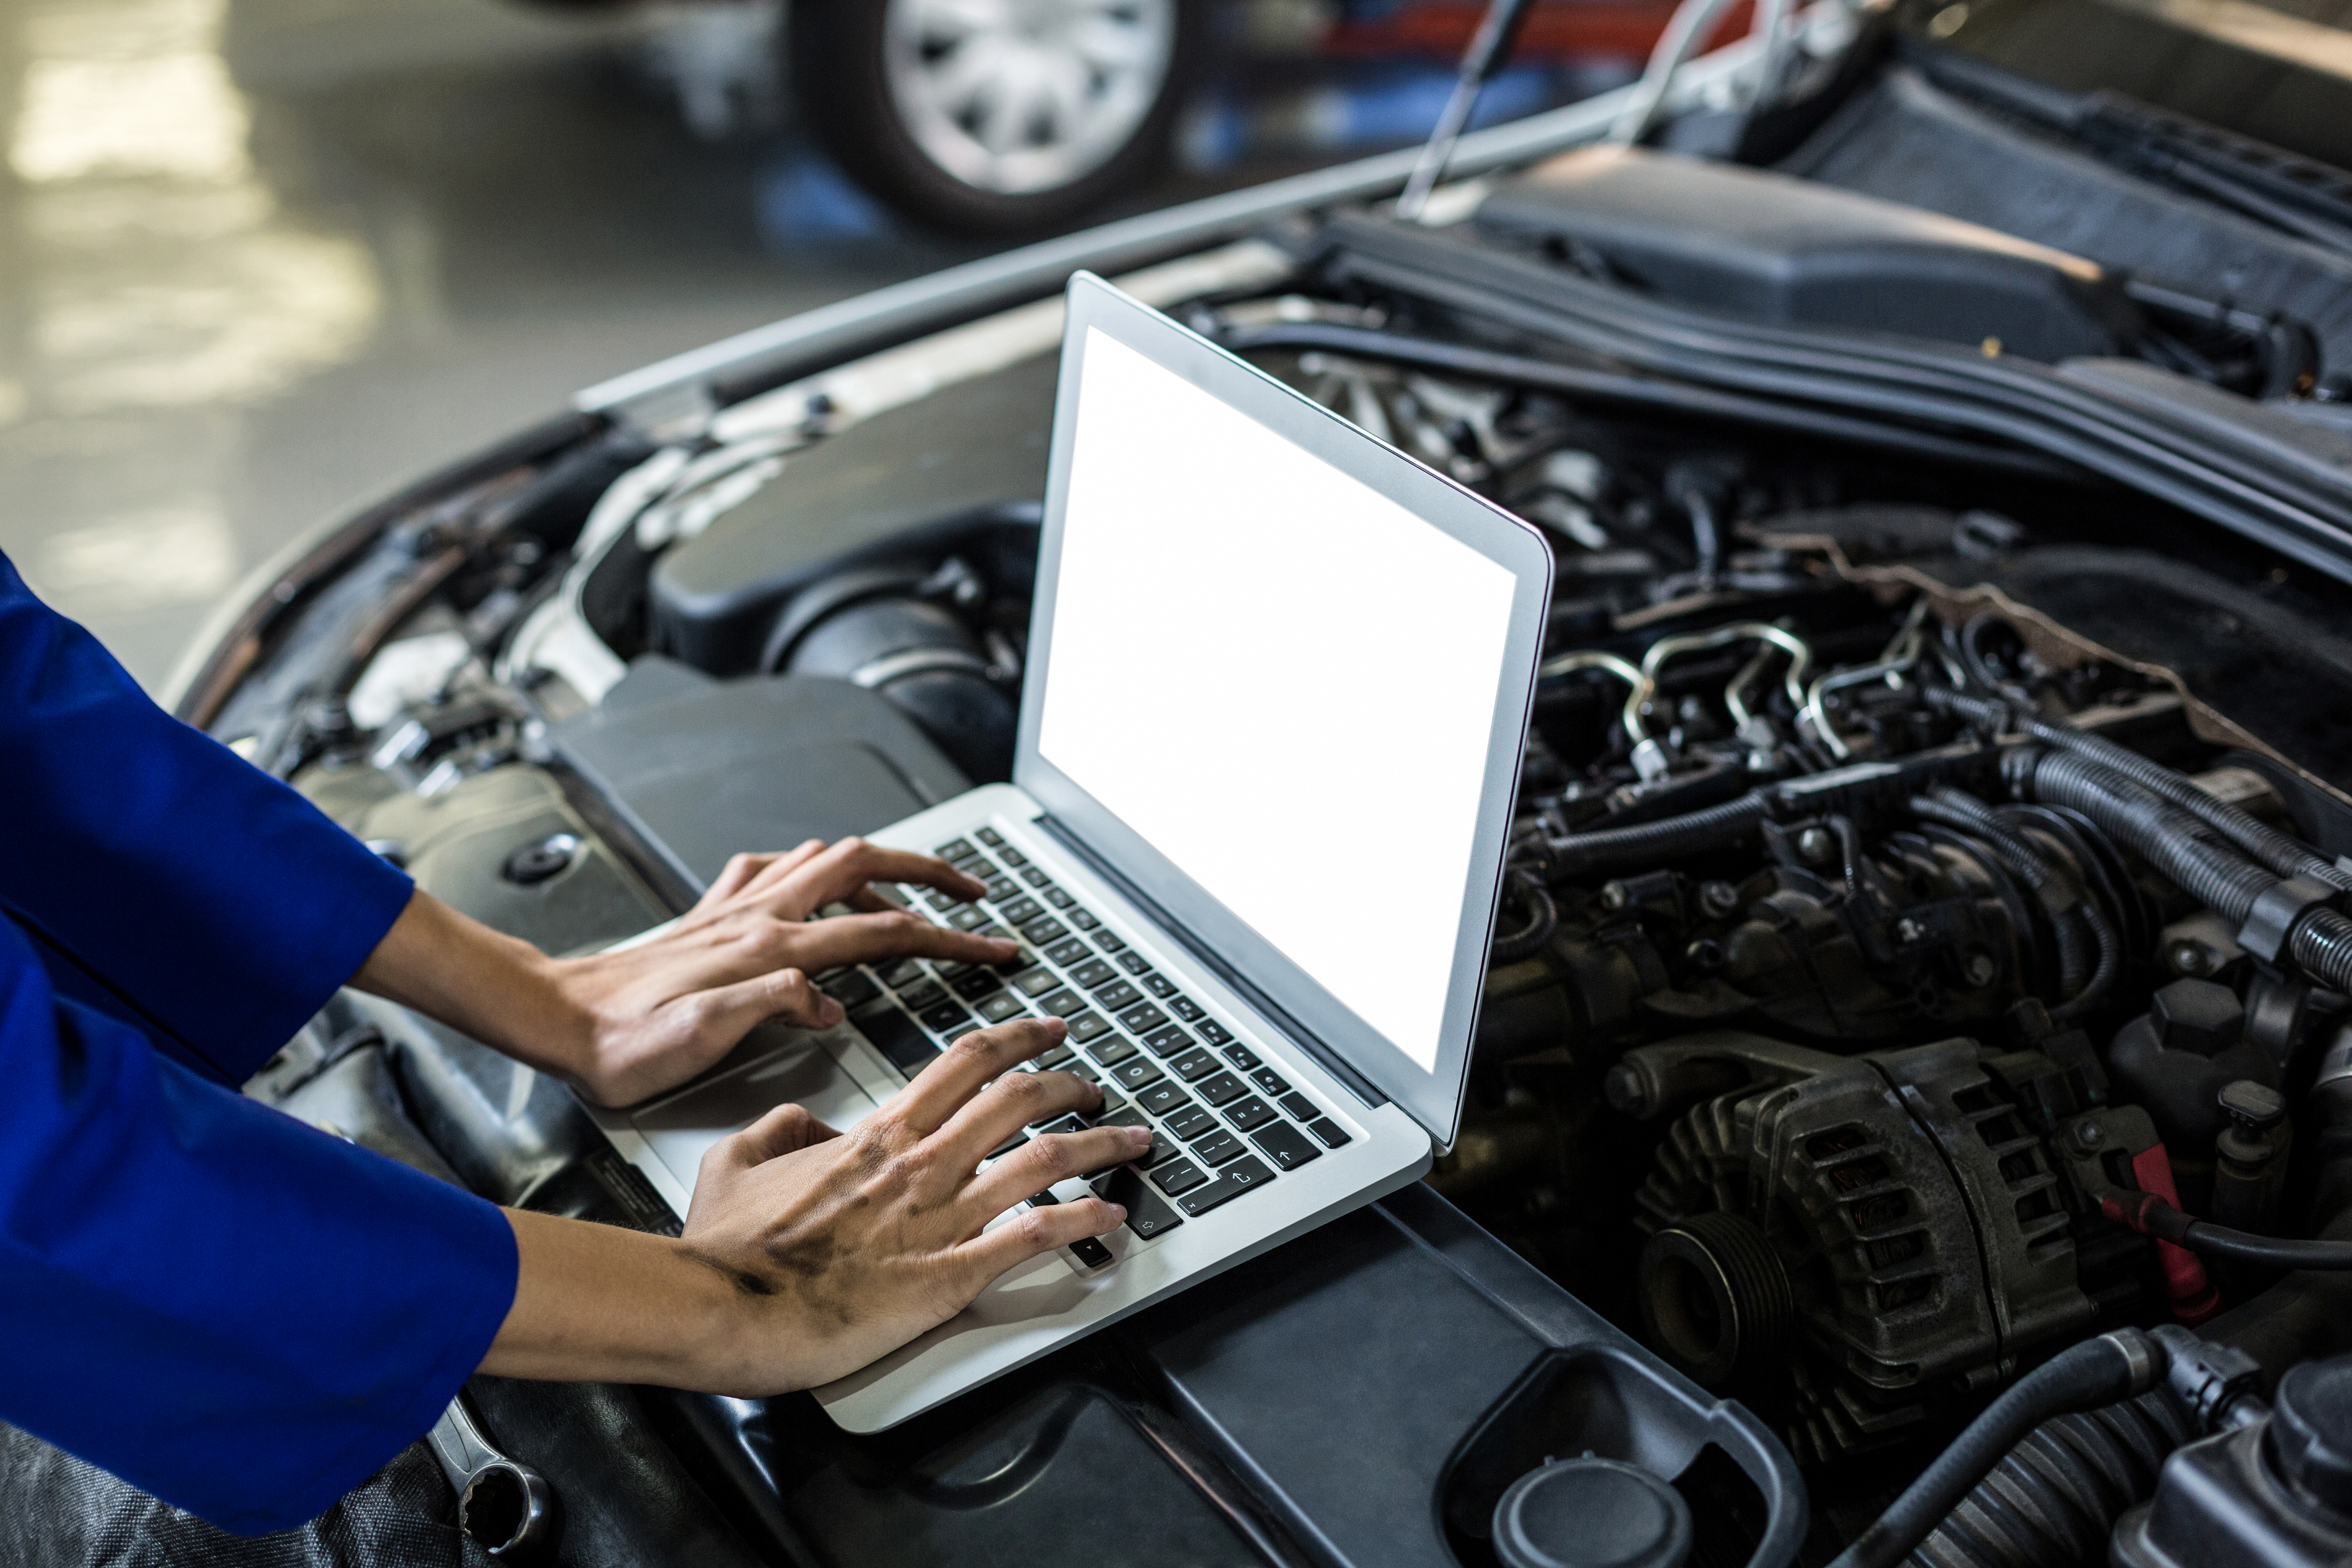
1278,686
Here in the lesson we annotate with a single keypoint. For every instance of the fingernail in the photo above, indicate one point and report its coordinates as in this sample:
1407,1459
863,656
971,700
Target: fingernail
1118,1213
1139,1136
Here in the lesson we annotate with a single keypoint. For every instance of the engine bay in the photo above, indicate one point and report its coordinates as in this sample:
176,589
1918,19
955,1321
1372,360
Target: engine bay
1924,943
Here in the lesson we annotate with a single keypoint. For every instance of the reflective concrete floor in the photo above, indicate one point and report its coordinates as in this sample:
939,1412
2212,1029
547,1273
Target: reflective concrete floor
263,259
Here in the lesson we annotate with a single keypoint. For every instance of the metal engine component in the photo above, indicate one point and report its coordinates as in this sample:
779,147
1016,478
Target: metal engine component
1892,1228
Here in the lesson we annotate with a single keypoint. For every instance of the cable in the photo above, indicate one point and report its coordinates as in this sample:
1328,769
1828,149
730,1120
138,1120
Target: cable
1543,919
2115,1366
1716,827
2151,1215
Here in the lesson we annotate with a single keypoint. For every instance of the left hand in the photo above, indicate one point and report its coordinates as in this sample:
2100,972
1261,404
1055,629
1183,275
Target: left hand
628,1025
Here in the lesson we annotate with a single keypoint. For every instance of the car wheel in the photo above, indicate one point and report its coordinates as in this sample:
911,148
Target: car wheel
995,116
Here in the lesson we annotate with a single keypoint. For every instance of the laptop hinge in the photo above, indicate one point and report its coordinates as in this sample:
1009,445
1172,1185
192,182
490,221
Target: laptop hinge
1293,1031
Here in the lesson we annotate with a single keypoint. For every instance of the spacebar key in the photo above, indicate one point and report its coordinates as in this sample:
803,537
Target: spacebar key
1235,1179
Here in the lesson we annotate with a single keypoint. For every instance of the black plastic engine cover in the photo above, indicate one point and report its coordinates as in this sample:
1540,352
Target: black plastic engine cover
1764,245
899,484
707,768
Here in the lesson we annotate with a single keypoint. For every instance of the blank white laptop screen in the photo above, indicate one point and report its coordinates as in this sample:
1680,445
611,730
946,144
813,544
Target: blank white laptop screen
1281,679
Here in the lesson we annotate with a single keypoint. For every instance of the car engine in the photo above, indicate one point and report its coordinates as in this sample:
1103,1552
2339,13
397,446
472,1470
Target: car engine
1925,944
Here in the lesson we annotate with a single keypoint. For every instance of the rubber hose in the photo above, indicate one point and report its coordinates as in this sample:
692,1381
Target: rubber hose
2322,943
2113,1367
2276,850
2102,974
2053,1499
1714,828
2219,877
1958,810
1543,919
2151,1215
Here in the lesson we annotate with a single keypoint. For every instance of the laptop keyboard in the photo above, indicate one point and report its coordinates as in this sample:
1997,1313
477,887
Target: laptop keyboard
1223,1123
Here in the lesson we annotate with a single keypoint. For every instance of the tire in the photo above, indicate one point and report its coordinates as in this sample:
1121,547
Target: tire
871,79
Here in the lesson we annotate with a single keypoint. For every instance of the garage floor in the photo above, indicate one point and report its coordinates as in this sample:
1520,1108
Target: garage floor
263,259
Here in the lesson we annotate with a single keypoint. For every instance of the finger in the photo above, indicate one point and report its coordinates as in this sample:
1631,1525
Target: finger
853,863
939,1090
725,1014
1039,1230
870,900
780,866
858,939
783,1131
1015,1100
1056,1157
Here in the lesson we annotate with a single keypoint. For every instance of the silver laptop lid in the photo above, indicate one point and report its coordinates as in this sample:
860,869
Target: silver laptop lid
1279,679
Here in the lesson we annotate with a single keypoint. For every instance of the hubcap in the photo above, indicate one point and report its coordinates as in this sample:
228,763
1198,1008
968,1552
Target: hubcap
1019,96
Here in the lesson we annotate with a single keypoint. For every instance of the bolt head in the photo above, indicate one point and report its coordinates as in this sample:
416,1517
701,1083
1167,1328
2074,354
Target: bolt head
2088,1136
1979,969
1817,845
2193,959
1719,898
1614,896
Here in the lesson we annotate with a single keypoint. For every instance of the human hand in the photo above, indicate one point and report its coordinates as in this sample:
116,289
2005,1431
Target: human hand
839,1248
650,1017
627,1023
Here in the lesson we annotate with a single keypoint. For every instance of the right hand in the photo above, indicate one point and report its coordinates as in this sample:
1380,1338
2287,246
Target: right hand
836,1248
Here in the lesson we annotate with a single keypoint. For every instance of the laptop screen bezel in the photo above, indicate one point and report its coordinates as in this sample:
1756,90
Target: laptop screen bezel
1433,1098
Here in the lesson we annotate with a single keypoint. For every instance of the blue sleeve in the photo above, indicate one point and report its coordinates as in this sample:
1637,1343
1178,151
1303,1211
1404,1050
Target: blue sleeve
220,1305
212,904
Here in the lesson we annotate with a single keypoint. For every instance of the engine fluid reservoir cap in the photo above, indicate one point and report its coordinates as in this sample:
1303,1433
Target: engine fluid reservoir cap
1592,1514
2311,1431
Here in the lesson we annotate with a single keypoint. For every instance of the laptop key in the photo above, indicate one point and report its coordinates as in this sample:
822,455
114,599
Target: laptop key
990,837
1082,918
1091,973
1193,1064
1091,1253
1299,1105
1240,1176
1221,1089
1059,897
924,993
996,1008
1068,951
1132,1074
1000,889
956,849
1219,1147
941,900
1216,1034
852,988
1087,1026
1142,1018
1056,1056
1270,1081
895,1035
975,984
1044,929
1286,1145
1330,1132
900,975
1011,856
1118,995
968,918
1147,1214
1109,941
1250,1114
1133,963
1035,982
1162,1146
1184,1007
1021,910
1164,1098
1113,1051
1167,1042
948,1019
1185,1119
1036,876
1242,1057
1177,1176
1059,1003
1158,984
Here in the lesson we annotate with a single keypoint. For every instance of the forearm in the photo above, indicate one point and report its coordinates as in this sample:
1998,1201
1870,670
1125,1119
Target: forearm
597,1303
497,989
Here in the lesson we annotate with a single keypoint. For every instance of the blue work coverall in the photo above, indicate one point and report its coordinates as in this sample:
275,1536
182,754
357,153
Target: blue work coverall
223,1306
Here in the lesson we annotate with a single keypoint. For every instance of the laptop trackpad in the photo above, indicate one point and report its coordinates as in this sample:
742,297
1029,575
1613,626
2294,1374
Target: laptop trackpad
681,1128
